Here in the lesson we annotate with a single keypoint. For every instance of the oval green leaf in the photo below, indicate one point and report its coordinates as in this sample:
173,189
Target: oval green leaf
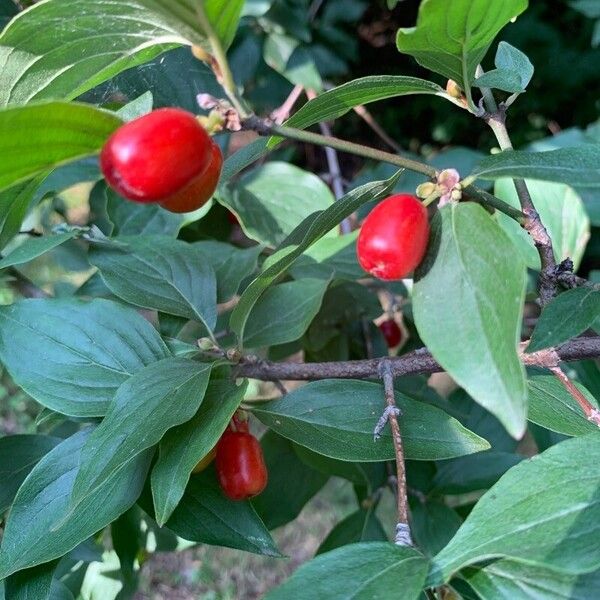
337,417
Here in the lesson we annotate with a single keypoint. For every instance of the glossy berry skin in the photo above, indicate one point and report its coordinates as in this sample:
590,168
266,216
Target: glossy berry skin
200,190
240,465
155,156
393,237
391,332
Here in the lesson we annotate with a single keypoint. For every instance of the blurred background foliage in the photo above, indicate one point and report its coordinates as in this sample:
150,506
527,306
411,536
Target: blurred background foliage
319,44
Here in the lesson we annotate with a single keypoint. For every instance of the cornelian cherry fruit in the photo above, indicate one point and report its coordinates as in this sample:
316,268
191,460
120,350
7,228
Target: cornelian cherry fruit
391,332
200,190
156,156
393,237
241,468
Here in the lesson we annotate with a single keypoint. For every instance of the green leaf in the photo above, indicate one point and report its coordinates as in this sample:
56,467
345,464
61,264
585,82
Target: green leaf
568,315
160,396
18,199
467,306
71,355
34,247
553,407
159,272
127,542
132,218
513,73
473,473
285,495
452,36
184,446
37,137
507,579
174,78
370,475
360,526
241,159
562,212
8,10
18,455
307,233
292,60
330,257
500,79
271,200
336,102
14,204
577,166
43,61
32,583
224,16
284,312
42,525
231,265
358,571
336,418
433,524
549,522
205,515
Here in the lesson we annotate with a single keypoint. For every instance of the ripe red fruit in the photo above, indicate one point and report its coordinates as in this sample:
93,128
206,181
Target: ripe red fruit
152,158
391,332
200,190
393,237
240,465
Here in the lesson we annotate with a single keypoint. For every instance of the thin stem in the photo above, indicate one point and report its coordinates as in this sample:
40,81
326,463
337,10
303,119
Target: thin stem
366,116
333,164
352,148
590,411
403,536
412,363
475,193
24,286
281,388
532,223
224,75
488,96
266,128
279,115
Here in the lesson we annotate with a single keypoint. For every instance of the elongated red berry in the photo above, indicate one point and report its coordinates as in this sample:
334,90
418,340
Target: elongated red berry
200,190
391,332
155,156
240,465
393,237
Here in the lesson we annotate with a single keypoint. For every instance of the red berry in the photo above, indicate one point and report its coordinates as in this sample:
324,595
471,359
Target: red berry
240,465
393,237
391,332
151,158
240,421
200,190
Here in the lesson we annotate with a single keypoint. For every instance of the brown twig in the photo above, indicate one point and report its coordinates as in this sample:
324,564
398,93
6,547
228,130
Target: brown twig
563,275
403,537
590,411
282,389
495,117
413,363
279,115
333,165
24,286
367,117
